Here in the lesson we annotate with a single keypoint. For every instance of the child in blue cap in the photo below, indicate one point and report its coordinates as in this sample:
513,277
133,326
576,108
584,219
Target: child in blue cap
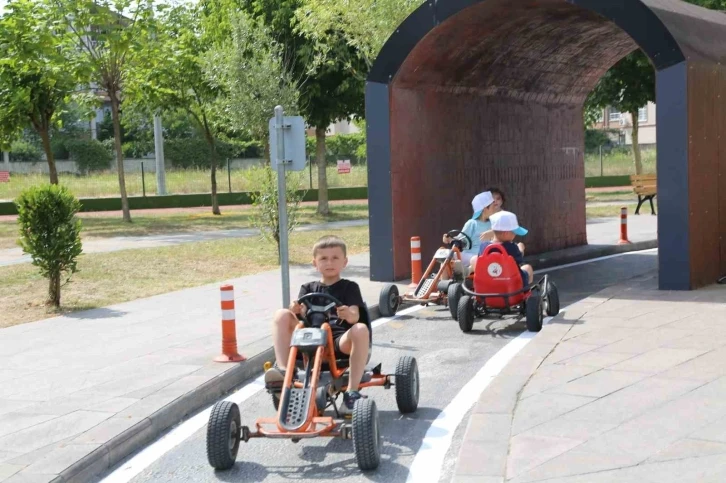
506,226
478,228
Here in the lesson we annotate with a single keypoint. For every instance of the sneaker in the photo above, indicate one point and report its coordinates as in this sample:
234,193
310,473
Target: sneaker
274,377
350,397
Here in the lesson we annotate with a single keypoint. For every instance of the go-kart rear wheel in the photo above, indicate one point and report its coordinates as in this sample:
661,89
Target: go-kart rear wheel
276,400
223,435
533,308
407,385
388,301
454,294
466,313
366,434
552,299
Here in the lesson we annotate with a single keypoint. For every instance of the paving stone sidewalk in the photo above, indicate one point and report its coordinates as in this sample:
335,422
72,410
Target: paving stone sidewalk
628,385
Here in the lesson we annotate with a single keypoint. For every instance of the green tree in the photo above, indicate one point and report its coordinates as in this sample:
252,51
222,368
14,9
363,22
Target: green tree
38,75
627,86
170,75
109,35
330,89
252,72
50,233
363,24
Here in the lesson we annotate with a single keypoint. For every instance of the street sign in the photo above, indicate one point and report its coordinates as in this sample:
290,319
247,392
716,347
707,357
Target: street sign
293,142
343,166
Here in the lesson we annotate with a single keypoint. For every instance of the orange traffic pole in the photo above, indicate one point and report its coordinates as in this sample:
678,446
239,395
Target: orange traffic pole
623,227
416,268
229,329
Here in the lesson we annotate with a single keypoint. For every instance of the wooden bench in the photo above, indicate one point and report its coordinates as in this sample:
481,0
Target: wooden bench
644,185
4,176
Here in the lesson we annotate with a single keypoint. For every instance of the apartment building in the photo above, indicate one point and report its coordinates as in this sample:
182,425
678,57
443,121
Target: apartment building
622,122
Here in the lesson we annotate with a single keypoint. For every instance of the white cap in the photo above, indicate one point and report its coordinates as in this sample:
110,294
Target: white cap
481,201
507,221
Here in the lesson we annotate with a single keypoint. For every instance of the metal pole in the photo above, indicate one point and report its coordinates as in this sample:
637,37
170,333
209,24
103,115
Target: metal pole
282,206
229,176
159,154
601,160
143,181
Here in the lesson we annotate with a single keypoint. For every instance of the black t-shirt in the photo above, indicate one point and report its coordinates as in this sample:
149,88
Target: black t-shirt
344,290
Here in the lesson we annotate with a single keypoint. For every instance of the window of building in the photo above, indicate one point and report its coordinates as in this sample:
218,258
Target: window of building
614,115
643,114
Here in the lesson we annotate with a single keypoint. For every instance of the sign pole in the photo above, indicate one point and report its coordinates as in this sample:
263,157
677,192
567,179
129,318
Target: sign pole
282,206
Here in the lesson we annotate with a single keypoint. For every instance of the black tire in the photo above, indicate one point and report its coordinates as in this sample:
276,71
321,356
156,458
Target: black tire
388,301
407,384
465,313
552,299
223,435
366,434
533,309
454,294
276,400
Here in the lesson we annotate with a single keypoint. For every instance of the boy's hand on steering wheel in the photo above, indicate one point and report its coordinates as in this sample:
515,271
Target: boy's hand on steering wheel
297,308
348,314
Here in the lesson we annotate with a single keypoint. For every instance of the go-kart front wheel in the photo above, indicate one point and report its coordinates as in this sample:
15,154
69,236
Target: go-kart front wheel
454,294
465,312
223,435
388,301
407,385
533,309
552,299
366,434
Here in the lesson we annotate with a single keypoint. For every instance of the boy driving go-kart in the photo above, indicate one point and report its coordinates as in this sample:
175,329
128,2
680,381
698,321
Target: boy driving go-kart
501,281
319,357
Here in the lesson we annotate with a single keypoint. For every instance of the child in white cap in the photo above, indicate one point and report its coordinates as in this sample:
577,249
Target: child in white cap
506,227
478,228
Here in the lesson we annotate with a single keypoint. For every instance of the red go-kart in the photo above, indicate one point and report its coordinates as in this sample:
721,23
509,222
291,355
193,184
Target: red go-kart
498,289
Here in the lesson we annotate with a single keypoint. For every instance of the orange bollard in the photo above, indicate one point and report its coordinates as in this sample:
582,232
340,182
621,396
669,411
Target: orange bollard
229,329
416,268
623,227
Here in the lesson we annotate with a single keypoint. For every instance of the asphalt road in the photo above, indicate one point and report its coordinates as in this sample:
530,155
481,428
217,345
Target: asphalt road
447,360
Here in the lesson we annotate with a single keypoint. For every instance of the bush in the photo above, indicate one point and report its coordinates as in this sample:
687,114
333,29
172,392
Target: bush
50,233
89,155
22,151
58,146
195,153
340,146
266,217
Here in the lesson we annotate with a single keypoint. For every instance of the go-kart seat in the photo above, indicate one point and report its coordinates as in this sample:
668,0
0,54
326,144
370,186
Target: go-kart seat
497,272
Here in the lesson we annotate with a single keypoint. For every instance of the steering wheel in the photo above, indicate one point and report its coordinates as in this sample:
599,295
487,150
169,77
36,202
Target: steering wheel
458,233
317,314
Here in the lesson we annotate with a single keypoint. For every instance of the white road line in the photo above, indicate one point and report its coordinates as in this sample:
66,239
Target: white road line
592,260
159,448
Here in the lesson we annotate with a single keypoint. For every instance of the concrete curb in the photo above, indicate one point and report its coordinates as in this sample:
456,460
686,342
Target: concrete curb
92,466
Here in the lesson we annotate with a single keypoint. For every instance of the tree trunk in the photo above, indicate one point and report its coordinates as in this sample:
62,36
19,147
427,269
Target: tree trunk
54,290
636,147
45,137
213,162
119,154
323,208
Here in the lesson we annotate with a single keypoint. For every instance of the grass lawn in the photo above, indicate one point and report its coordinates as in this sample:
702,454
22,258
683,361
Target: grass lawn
95,226
103,278
184,181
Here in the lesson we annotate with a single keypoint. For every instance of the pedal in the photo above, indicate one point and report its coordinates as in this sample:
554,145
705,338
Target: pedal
297,403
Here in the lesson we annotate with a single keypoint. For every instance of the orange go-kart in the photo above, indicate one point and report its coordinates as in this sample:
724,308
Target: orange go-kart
431,289
320,376
498,289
